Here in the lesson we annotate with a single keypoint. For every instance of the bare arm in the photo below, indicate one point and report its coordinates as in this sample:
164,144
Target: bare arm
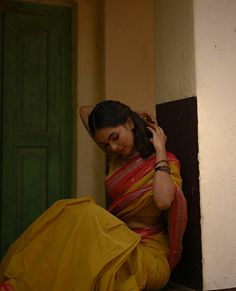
163,185
84,112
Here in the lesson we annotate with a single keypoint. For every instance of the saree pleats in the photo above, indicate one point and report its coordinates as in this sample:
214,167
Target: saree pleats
77,245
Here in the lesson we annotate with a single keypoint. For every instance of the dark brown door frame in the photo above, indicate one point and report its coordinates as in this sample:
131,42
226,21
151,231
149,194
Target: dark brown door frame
180,123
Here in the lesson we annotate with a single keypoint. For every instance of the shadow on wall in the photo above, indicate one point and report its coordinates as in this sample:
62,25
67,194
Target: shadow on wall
179,121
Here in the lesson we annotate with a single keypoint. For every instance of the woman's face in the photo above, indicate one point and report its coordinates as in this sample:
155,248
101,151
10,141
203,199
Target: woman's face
118,139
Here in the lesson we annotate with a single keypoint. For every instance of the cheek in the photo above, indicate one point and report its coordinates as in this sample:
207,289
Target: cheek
126,137
130,138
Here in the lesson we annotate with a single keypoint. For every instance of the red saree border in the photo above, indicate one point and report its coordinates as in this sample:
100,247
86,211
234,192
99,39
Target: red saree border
116,172
175,217
177,221
5,287
125,177
146,232
126,199
170,157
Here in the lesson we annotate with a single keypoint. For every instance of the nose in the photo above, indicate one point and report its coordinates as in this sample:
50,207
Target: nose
113,146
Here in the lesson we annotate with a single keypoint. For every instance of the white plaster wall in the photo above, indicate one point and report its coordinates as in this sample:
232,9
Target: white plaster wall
175,71
215,47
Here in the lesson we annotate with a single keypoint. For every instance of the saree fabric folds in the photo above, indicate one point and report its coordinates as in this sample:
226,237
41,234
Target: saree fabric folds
77,245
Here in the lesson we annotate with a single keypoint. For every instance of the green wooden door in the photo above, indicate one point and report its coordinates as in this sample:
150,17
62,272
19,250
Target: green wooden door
36,114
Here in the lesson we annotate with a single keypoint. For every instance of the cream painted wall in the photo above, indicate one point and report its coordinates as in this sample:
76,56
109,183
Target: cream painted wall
215,46
125,47
129,53
90,162
175,71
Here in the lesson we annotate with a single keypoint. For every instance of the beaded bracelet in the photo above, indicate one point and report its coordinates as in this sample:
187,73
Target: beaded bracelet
163,168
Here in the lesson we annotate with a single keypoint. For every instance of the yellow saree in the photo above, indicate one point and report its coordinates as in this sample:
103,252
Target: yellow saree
78,246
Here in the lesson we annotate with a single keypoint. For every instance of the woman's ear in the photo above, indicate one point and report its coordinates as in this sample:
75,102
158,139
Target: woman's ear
130,123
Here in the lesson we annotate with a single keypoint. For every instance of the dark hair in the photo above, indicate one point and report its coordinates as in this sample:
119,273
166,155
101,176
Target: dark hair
111,113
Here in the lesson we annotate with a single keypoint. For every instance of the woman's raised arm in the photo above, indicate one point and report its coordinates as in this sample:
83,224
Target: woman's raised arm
163,184
84,112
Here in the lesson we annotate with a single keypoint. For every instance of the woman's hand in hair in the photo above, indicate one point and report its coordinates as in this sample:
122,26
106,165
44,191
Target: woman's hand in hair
163,185
158,137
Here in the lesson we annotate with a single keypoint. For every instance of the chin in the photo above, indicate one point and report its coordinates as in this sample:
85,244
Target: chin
130,154
127,152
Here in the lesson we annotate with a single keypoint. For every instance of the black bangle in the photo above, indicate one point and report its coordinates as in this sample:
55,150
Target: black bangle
163,168
161,161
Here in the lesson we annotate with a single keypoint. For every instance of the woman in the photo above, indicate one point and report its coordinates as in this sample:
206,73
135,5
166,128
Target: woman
77,245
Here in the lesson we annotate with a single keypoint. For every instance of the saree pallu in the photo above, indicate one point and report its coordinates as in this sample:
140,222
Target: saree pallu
77,245
131,189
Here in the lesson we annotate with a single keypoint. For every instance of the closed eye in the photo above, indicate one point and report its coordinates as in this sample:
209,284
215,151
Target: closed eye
115,137
112,137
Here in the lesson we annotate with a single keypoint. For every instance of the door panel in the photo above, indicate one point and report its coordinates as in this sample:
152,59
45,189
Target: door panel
37,150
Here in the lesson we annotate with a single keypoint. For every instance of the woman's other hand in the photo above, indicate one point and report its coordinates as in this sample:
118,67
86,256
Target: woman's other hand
163,185
158,137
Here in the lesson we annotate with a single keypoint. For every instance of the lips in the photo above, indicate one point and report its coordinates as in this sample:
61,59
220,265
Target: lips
121,150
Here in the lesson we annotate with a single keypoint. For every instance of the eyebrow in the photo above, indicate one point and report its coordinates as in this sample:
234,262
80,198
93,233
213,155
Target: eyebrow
109,137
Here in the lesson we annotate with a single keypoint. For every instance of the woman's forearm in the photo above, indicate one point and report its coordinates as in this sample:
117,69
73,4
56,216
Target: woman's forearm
163,190
163,185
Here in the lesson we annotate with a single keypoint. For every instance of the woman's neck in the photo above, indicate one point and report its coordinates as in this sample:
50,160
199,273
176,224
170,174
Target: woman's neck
133,154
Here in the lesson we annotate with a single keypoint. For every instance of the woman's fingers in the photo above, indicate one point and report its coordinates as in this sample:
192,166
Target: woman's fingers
148,118
156,128
158,135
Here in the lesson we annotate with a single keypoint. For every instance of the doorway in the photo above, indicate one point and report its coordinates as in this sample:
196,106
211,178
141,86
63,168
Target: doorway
36,112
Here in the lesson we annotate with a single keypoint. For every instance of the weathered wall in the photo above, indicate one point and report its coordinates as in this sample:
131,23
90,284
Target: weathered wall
215,46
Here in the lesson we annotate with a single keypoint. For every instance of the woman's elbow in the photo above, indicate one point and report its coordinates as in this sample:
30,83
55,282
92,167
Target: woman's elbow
163,205
165,201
